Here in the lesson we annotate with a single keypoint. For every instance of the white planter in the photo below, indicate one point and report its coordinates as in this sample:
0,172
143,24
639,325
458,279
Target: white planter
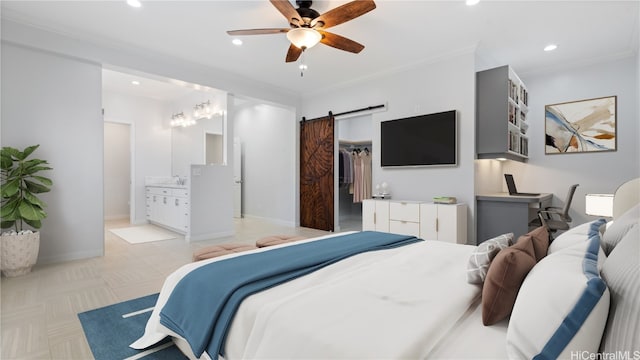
18,253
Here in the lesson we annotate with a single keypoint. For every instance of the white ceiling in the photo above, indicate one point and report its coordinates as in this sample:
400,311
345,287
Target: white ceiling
396,34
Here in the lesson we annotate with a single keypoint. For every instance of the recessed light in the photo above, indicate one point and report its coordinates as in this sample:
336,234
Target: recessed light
135,82
550,47
134,3
472,2
236,42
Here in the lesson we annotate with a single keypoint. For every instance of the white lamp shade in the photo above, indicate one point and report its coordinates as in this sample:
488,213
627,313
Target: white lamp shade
599,205
304,37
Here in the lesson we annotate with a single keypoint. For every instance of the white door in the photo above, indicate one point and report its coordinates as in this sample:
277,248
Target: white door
237,178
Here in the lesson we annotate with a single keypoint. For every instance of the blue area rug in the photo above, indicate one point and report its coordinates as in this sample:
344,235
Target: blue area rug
110,330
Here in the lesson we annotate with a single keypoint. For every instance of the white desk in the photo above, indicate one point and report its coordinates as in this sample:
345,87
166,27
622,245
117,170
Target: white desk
499,213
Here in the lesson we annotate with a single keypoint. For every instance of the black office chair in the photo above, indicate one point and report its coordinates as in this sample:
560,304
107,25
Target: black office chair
556,218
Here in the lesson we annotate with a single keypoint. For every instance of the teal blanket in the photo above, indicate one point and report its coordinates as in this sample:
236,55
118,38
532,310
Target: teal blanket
204,302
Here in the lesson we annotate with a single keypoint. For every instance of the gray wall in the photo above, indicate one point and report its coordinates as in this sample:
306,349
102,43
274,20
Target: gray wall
269,164
595,172
55,101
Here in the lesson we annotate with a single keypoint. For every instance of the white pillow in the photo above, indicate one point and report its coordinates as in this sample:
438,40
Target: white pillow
562,306
619,228
575,235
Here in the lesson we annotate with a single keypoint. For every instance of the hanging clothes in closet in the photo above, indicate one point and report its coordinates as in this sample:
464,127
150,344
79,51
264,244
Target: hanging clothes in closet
355,172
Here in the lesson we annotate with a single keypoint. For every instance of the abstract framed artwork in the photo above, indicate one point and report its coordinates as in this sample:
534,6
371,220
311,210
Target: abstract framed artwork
581,126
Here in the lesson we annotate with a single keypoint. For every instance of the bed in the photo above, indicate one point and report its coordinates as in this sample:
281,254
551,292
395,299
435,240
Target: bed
416,301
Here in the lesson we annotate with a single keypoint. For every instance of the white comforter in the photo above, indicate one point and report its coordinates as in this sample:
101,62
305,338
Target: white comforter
385,304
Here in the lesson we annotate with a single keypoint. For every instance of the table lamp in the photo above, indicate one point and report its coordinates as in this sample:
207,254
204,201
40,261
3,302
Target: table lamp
599,205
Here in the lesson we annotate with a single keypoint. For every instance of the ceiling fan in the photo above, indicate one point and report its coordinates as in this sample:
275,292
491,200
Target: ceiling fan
308,27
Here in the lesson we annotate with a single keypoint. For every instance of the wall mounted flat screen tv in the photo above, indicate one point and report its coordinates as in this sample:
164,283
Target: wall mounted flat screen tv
424,140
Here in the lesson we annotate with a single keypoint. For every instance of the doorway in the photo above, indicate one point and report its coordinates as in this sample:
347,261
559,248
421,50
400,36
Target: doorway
117,171
354,175
214,148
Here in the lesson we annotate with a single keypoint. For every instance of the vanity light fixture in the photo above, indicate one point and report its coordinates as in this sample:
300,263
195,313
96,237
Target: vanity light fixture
202,110
180,120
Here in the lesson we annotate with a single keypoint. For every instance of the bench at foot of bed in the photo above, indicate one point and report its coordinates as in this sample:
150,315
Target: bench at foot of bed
212,251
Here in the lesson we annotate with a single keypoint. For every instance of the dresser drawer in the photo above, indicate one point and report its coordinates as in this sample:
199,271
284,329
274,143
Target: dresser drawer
180,192
154,190
404,227
404,211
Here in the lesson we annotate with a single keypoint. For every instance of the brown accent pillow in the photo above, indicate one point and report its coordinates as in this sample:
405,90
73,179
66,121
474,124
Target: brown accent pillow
540,238
504,278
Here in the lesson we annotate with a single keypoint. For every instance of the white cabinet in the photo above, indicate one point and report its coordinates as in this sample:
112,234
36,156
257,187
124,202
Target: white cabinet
375,215
444,222
168,207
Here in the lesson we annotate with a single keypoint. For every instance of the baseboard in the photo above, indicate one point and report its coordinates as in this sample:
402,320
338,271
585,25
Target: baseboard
271,220
81,255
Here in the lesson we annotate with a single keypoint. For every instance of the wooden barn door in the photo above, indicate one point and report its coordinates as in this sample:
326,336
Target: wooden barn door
316,173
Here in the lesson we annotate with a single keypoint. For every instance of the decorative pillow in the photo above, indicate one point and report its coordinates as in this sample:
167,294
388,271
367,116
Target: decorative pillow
540,239
504,278
619,228
621,271
562,306
480,259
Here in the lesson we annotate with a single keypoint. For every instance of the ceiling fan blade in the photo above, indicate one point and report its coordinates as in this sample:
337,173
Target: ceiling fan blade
257,31
289,12
343,13
293,54
340,42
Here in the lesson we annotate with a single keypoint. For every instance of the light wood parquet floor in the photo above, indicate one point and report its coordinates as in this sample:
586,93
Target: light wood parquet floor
38,311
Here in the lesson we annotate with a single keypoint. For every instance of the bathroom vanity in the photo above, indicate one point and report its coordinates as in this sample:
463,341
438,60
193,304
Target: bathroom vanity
168,206
199,206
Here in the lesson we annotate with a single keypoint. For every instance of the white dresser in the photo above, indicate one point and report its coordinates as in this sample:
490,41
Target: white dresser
429,221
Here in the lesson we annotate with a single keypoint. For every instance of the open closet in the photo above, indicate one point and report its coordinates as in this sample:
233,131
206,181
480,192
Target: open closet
354,169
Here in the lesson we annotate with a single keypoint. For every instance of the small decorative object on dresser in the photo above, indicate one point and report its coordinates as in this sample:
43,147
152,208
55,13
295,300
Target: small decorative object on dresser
20,184
581,126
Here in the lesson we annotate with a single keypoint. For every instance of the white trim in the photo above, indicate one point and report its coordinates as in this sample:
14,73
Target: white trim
208,236
80,255
271,220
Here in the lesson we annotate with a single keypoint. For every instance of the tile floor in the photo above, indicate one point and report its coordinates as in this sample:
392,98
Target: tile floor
38,311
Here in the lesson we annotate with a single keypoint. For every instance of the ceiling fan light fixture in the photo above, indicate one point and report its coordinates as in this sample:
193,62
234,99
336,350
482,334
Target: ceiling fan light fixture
304,38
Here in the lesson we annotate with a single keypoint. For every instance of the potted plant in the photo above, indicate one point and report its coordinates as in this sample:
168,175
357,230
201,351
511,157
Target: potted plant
20,205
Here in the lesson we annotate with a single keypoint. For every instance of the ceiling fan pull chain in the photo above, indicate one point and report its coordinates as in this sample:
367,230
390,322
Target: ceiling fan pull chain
302,66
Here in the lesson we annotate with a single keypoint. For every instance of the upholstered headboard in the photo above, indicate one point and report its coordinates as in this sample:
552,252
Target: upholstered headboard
626,196
621,271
